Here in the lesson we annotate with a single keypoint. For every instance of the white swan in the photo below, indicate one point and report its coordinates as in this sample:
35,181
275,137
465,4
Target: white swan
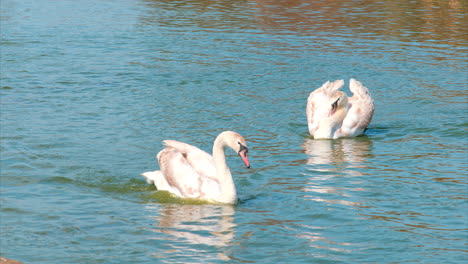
331,114
189,172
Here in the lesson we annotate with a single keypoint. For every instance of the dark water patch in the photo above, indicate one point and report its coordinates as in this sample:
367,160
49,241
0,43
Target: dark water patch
22,179
165,197
7,210
116,185
58,180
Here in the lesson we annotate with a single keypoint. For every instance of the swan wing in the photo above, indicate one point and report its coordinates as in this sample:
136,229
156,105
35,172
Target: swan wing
360,112
185,170
178,176
198,159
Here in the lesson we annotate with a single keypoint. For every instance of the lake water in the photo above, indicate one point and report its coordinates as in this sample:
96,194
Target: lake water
89,89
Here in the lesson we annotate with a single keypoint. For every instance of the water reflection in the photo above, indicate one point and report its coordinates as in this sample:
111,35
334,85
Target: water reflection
438,20
193,228
343,153
329,159
397,20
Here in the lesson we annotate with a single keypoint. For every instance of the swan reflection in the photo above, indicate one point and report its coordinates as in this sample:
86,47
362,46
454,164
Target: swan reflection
335,158
344,153
189,229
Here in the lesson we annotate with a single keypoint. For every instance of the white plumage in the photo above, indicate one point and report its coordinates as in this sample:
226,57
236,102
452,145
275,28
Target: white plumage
332,114
189,172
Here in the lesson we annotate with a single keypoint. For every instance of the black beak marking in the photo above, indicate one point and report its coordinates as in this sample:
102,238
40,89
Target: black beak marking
243,148
335,104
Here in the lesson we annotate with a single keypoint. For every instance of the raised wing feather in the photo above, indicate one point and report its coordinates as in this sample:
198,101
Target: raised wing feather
360,111
311,109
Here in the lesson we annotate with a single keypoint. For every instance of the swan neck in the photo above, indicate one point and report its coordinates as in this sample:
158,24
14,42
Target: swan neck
222,170
328,127
219,158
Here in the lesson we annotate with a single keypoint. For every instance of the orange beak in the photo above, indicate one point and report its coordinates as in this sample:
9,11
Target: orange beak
243,155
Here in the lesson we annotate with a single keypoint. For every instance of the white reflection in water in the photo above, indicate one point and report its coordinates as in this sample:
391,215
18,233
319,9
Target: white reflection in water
329,159
193,229
351,152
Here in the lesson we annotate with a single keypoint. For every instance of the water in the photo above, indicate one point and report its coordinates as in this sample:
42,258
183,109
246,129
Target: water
89,89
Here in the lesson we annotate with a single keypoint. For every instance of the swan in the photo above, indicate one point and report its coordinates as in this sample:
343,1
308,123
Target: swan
189,172
332,114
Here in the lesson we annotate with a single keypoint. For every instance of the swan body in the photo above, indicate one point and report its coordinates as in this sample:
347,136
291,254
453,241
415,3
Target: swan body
332,114
189,172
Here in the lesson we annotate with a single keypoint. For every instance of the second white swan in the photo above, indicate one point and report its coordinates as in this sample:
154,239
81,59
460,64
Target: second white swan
189,172
331,114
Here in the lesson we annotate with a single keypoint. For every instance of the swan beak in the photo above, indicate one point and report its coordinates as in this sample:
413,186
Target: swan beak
243,155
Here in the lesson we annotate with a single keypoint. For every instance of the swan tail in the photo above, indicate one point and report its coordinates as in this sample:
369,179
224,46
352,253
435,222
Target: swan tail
151,176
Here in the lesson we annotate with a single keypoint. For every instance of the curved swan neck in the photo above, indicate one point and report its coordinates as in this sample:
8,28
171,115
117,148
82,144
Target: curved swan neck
328,126
222,170
219,156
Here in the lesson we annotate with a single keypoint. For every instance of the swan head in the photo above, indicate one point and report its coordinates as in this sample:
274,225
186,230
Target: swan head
243,150
329,102
338,105
327,107
237,143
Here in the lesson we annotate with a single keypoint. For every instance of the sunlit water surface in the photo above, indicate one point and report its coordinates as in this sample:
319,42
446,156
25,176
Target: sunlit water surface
89,89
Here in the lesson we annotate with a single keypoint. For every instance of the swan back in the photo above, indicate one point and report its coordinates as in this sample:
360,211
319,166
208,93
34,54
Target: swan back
198,159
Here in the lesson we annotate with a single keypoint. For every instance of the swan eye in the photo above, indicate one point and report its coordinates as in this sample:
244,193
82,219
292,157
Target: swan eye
335,104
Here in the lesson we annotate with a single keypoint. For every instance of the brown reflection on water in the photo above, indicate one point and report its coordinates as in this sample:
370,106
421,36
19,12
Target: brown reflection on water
294,228
401,20
412,222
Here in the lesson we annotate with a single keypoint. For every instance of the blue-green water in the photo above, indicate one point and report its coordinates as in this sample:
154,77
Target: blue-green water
89,89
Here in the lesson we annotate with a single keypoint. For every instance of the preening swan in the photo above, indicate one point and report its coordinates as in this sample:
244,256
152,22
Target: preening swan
189,172
331,114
